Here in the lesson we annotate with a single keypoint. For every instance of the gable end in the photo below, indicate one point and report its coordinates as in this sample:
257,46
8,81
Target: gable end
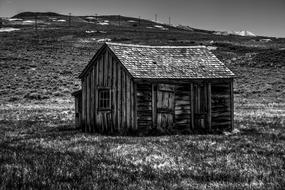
99,52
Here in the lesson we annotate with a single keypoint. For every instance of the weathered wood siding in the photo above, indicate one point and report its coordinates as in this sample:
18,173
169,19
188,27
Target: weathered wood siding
78,109
108,73
164,104
182,108
144,106
165,107
221,105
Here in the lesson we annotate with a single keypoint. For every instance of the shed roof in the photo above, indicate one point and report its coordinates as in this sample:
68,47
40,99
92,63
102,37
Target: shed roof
170,62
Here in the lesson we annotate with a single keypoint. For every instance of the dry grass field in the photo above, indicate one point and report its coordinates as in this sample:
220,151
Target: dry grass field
41,149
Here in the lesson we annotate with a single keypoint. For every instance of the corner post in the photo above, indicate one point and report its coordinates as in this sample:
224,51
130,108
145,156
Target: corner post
192,106
232,103
209,107
154,106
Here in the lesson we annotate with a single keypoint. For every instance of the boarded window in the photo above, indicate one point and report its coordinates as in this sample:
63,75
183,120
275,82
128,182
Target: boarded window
104,99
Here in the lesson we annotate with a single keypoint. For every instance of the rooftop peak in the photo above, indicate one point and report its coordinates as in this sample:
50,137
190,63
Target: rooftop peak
149,46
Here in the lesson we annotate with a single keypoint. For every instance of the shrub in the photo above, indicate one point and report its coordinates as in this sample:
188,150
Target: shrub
36,96
14,99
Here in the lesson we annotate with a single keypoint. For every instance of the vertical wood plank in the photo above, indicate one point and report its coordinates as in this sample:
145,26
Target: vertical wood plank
105,63
110,69
95,95
192,106
135,107
128,101
119,100
88,102
92,98
131,104
154,106
114,87
83,104
209,107
101,72
76,102
232,103
99,83
198,99
123,96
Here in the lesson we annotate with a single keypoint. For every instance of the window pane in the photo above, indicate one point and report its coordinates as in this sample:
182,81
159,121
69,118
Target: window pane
104,99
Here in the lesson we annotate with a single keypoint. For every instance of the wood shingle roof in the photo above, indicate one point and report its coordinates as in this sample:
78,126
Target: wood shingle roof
167,62
170,62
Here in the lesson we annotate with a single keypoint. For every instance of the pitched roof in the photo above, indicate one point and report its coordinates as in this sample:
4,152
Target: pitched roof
173,62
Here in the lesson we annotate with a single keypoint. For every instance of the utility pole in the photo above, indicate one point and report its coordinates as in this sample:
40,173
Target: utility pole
69,19
155,17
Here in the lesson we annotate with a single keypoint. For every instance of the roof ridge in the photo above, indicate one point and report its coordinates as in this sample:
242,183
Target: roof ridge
149,46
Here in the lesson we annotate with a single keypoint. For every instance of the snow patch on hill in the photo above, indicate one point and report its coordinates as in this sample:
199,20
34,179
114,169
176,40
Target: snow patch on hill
239,33
8,29
90,18
160,27
14,19
28,21
105,22
244,33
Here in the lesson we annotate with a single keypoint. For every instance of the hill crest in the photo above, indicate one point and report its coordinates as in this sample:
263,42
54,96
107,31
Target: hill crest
32,14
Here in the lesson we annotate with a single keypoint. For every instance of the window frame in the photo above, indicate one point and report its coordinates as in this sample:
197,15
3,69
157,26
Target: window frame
104,99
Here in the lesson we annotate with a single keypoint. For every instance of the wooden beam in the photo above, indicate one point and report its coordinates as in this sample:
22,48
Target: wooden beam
192,106
154,106
131,103
92,98
123,97
83,104
232,104
95,96
88,102
135,106
182,81
128,101
209,107
119,100
114,98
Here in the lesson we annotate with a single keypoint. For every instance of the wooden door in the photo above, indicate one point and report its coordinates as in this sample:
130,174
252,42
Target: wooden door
200,107
165,107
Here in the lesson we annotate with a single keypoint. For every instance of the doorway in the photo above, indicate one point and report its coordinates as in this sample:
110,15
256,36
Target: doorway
201,108
165,106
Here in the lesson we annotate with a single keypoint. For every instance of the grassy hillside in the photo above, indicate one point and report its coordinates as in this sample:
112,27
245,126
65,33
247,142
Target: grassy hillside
40,148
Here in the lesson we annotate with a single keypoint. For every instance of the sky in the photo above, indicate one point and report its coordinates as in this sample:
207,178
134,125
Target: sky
262,17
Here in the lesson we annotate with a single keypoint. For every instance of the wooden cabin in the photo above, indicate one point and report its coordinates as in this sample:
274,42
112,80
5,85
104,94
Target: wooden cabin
142,90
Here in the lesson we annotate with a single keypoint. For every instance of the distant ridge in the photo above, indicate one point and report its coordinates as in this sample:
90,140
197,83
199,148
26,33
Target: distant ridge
33,14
